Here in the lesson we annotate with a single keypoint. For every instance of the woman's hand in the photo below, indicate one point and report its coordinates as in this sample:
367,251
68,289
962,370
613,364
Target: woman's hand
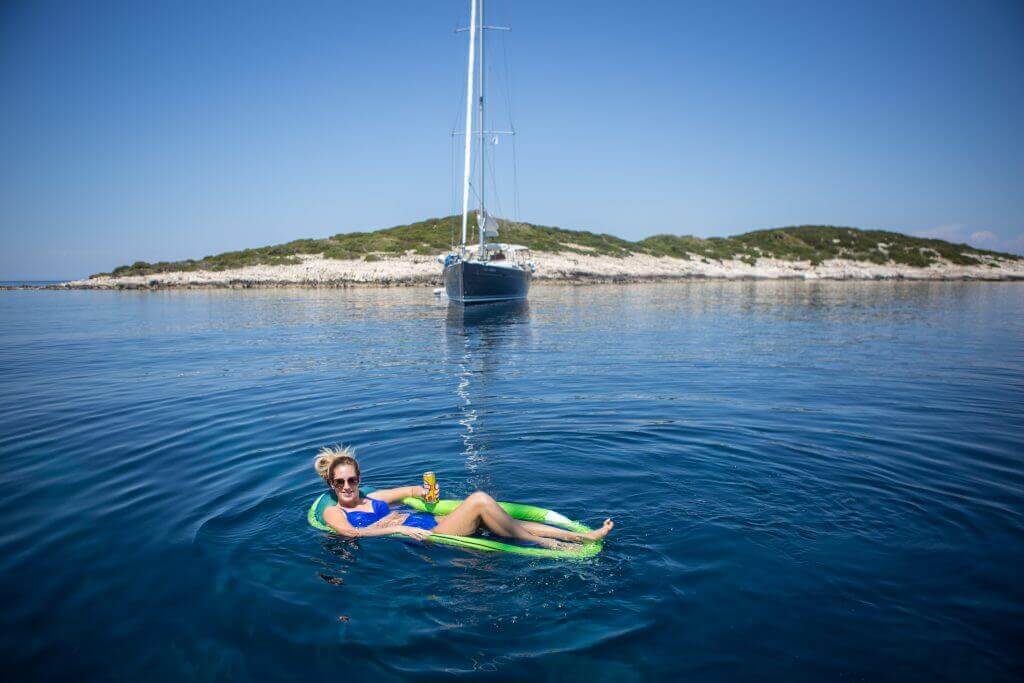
412,532
424,491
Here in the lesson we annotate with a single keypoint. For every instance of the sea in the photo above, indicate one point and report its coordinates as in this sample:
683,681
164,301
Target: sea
810,481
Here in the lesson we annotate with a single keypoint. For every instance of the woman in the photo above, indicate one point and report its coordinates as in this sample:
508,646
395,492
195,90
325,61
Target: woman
357,517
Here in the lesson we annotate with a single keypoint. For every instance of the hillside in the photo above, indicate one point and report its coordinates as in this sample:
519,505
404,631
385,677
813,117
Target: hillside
811,243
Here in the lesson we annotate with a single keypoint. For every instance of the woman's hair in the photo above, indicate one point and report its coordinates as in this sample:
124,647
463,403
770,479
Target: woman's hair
330,457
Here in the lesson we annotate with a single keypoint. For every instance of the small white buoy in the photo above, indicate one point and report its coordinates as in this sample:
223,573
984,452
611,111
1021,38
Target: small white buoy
438,291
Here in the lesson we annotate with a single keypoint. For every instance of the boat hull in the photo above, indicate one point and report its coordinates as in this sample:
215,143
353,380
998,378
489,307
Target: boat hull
470,282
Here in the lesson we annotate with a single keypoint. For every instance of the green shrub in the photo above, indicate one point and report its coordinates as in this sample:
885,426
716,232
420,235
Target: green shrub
813,243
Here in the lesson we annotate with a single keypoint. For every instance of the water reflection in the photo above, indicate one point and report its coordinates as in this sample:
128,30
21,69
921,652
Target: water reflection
473,336
496,314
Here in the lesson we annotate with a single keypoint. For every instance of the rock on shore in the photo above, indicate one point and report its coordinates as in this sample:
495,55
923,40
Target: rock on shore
411,270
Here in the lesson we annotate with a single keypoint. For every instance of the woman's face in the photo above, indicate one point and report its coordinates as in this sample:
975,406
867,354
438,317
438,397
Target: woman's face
345,483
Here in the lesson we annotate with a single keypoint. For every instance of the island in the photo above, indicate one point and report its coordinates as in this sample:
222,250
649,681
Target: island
405,255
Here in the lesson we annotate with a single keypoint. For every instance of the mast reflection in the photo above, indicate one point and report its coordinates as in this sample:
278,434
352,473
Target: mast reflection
479,341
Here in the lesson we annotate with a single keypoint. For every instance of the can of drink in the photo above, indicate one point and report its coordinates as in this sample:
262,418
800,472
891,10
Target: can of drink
430,484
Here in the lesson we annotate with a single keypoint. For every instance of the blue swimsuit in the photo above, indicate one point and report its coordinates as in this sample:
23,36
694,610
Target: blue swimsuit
419,520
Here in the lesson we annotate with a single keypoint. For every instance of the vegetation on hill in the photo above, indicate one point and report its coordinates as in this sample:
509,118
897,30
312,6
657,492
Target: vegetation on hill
818,243
814,243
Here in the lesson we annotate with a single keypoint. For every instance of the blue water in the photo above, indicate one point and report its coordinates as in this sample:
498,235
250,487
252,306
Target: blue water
811,481
29,283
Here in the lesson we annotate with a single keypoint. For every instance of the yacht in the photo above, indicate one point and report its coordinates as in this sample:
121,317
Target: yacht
486,271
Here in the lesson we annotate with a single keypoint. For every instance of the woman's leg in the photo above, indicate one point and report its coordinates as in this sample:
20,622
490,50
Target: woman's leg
479,508
548,531
462,521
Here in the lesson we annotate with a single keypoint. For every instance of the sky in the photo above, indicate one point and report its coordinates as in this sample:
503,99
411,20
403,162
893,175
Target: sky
168,130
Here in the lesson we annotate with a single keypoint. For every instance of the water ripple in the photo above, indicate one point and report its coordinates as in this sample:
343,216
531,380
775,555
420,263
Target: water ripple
810,481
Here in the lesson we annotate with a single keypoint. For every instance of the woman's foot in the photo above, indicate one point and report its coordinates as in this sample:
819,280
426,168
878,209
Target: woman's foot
598,534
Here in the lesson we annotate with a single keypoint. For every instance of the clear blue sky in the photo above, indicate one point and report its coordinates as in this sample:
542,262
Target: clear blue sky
165,130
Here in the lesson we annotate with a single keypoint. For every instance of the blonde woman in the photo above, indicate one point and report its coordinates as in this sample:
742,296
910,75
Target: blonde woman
358,517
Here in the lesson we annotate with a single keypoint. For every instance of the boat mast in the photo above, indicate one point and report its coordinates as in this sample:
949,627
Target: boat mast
467,168
482,214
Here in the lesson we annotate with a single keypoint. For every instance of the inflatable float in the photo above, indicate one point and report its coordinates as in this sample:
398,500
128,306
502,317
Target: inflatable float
528,513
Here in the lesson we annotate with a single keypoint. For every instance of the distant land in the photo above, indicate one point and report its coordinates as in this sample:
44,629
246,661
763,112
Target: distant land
404,255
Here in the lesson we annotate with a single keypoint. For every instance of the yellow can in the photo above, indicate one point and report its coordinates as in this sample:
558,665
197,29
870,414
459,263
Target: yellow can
430,483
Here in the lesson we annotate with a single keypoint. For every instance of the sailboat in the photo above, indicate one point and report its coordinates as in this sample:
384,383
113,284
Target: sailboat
487,271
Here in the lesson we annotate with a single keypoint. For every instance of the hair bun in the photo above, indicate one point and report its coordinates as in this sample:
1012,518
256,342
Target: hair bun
330,456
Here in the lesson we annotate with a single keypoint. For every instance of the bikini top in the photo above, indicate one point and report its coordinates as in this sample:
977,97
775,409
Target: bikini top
360,519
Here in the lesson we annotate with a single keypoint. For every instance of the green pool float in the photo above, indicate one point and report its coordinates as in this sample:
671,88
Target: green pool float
528,513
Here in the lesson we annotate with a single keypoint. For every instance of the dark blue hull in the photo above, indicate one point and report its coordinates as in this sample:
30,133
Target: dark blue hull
470,282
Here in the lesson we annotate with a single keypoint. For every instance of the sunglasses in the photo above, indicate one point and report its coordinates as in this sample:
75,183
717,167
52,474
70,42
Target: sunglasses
351,481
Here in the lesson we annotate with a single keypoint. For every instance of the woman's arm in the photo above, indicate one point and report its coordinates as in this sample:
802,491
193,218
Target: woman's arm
339,522
393,495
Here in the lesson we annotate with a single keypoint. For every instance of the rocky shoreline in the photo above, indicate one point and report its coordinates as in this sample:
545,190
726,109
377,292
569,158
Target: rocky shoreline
563,267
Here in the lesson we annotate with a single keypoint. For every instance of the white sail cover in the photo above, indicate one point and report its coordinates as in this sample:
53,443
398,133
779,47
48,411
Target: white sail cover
488,223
